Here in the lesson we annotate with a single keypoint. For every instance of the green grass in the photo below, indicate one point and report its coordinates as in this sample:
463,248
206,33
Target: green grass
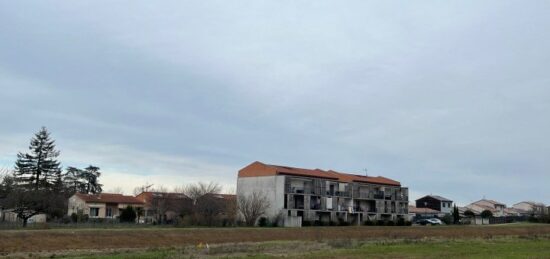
507,247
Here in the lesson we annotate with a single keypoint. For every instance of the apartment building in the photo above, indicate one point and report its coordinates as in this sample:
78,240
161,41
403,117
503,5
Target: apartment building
297,195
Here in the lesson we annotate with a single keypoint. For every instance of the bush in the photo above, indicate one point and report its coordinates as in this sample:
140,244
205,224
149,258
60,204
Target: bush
74,217
66,219
408,223
332,223
306,223
368,223
380,223
262,222
400,222
447,219
390,223
128,215
319,223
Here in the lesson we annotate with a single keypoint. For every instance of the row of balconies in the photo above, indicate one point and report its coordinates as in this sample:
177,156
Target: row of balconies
378,195
316,191
383,210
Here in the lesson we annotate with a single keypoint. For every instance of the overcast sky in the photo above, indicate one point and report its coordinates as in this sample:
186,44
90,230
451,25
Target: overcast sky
449,98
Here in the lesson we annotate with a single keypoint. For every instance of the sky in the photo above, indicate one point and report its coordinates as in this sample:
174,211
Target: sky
448,97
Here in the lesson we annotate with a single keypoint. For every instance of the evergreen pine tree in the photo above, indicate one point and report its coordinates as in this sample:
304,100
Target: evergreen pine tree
39,168
456,215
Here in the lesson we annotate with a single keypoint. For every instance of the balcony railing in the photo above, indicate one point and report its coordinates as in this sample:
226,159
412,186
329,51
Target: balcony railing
378,195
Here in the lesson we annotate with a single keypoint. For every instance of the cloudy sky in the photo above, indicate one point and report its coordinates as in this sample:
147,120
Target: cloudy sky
450,98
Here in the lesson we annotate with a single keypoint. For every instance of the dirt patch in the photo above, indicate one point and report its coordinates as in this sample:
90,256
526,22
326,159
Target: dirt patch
25,241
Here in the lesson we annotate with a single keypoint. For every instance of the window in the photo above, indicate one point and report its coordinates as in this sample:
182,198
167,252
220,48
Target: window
109,212
94,212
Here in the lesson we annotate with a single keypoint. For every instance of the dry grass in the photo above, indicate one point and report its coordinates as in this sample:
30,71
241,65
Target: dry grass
26,241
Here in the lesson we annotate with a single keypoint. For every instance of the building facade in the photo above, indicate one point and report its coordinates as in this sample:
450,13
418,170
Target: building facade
296,195
435,202
104,205
531,207
495,207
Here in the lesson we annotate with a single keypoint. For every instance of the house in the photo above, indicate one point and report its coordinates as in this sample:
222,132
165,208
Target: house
104,205
7,215
531,207
419,213
163,207
297,195
167,207
435,202
494,207
515,212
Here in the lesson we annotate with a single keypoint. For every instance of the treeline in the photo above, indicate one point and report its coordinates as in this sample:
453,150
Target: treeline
38,183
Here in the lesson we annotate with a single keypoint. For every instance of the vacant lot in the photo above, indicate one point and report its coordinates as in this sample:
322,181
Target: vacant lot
499,247
18,242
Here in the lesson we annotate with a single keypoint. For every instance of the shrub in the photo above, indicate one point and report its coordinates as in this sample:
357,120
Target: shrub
368,223
74,217
128,214
306,223
380,222
66,219
447,219
319,223
400,222
390,223
262,222
486,214
332,223
408,223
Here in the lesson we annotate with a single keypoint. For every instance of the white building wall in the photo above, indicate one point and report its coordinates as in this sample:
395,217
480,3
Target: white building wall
273,187
446,207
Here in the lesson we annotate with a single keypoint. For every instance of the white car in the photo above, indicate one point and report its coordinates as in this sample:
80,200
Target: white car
435,221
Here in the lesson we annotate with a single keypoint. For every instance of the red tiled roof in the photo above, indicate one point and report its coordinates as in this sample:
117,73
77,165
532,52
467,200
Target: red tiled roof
109,198
148,196
415,210
260,169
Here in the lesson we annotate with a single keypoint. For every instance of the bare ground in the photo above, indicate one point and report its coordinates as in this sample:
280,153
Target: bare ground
40,241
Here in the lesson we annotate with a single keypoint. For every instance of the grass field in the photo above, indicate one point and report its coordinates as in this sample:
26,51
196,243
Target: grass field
502,241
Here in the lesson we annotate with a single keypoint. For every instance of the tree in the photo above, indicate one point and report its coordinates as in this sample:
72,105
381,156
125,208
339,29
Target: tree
83,180
39,168
73,180
252,206
486,214
90,176
38,185
7,184
128,214
196,191
456,215
28,203
469,213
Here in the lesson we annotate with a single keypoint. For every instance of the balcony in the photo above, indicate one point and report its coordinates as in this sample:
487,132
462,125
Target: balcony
379,195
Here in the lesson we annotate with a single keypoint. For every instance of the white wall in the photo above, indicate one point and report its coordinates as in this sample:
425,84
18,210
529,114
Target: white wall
271,186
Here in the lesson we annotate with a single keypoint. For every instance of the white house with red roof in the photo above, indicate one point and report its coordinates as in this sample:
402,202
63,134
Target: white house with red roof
104,205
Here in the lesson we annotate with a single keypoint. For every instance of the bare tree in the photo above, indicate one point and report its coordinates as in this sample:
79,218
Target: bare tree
196,191
252,206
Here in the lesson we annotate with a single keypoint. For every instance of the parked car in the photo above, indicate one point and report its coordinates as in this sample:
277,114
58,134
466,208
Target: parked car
432,222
